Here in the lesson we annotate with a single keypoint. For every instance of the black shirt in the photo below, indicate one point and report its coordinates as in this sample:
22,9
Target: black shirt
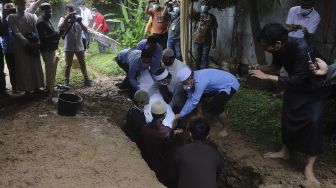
49,38
197,165
294,59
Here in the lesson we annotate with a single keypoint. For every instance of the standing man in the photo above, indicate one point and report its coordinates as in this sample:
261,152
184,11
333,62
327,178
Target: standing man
174,41
303,100
302,21
205,34
160,22
28,69
87,18
72,27
2,64
101,26
49,44
8,42
198,164
217,84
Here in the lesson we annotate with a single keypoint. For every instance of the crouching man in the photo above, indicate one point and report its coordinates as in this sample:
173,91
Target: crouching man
217,84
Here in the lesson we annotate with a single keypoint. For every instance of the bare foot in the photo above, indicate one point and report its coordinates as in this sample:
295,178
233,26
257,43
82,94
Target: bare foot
310,176
276,155
224,132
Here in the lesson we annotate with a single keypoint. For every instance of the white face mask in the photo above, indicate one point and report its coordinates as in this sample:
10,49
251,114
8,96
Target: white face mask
306,12
186,87
176,10
205,8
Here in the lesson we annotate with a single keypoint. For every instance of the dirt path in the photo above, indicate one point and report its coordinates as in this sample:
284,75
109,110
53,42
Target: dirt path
39,148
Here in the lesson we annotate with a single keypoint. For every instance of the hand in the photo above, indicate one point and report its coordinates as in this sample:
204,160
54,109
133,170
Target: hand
305,31
69,14
323,67
177,117
258,74
213,45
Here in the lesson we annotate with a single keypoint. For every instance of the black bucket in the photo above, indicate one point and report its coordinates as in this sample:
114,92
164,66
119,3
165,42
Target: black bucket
69,104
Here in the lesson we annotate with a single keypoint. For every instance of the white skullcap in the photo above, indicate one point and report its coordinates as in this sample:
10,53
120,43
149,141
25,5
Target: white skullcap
162,76
183,74
159,108
168,53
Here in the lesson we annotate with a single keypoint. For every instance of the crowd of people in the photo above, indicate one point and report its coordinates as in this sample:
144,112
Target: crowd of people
165,91
204,92
26,38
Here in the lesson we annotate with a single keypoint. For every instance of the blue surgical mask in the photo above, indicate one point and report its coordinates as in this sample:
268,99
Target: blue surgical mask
177,10
156,6
205,8
306,12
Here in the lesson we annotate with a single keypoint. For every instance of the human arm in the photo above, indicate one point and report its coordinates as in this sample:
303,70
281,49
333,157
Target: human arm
34,6
193,99
148,10
132,75
19,37
322,69
214,32
42,29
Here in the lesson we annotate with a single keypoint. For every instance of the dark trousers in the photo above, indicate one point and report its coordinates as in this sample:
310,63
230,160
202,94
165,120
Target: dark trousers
202,55
11,69
2,73
175,44
218,102
162,38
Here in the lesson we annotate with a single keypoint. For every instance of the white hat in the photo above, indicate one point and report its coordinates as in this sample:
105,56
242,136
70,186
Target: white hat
162,76
159,108
183,74
168,52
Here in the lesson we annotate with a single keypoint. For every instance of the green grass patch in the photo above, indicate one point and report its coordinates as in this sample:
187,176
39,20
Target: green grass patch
76,77
103,62
257,115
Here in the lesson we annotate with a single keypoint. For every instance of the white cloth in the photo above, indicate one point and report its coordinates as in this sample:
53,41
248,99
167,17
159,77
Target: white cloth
146,83
28,68
175,67
86,16
73,39
310,21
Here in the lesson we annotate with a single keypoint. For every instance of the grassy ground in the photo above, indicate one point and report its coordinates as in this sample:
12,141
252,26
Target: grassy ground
257,114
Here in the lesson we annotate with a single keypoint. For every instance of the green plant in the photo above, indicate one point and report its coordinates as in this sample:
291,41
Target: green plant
132,22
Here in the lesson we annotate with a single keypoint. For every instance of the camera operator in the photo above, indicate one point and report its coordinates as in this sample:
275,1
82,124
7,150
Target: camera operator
72,28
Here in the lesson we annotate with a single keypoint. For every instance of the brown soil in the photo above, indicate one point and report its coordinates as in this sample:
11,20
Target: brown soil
90,150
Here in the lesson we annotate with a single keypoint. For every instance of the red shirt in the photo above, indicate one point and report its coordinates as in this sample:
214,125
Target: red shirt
99,19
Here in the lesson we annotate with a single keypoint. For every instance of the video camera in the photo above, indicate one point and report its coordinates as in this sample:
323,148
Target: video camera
74,17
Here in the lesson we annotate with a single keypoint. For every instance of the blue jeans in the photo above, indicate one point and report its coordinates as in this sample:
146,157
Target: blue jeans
202,55
101,47
175,44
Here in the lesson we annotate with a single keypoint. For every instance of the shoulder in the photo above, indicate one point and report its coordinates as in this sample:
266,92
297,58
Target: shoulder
315,15
295,9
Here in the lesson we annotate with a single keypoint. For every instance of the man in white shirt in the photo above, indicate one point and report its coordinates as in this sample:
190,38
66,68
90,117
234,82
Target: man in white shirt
302,21
170,62
72,27
87,18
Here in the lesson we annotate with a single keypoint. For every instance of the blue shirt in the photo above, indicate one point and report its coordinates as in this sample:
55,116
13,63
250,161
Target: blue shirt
157,53
132,57
8,39
209,81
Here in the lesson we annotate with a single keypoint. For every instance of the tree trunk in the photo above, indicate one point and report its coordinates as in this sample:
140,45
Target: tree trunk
256,28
